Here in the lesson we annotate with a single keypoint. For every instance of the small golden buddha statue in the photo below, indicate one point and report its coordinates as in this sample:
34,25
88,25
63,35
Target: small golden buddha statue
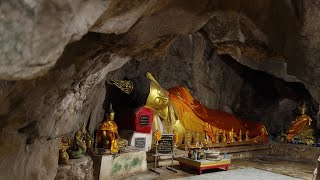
217,136
175,138
240,136
301,127
197,139
231,134
224,136
206,139
157,136
247,135
108,136
264,135
188,139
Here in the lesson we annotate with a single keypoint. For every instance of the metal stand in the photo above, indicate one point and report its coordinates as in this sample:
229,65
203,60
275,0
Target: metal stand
156,155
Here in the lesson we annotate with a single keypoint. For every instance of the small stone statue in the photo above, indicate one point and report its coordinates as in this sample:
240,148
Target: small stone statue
79,146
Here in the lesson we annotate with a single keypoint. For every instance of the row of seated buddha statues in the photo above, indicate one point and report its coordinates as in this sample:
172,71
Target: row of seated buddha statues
176,110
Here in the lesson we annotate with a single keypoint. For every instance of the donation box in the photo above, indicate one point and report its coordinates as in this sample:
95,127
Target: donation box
138,120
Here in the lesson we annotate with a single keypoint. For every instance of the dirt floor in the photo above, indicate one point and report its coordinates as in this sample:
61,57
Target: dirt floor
297,169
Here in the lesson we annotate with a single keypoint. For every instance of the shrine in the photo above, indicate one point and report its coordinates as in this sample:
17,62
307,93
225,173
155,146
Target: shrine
131,90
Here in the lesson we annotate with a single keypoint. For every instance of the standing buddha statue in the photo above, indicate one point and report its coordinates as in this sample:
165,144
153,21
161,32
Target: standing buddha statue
247,135
224,136
231,134
240,136
176,138
188,139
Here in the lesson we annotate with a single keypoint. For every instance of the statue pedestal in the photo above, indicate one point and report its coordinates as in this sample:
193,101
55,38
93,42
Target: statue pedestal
108,166
136,139
76,169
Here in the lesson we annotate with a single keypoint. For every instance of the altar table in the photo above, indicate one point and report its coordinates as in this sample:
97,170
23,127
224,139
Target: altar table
203,164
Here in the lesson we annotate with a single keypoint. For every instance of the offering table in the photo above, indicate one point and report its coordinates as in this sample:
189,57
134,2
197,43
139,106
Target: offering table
204,164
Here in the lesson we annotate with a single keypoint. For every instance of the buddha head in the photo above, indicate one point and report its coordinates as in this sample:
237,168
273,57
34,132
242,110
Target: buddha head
110,116
157,98
303,108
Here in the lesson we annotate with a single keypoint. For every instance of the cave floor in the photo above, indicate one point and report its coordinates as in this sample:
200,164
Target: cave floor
260,165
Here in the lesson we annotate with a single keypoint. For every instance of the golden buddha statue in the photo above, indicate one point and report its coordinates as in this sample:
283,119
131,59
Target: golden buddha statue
217,136
176,138
196,139
264,135
247,135
63,155
188,139
79,146
240,136
301,128
157,136
108,136
231,134
224,136
177,109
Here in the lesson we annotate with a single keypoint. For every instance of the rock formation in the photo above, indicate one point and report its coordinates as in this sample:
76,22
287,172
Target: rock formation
56,56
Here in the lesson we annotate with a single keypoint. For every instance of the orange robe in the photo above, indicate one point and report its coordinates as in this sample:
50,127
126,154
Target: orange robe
298,125
196,117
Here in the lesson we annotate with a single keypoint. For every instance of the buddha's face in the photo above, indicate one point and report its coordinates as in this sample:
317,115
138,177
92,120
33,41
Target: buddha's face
158,97
111,116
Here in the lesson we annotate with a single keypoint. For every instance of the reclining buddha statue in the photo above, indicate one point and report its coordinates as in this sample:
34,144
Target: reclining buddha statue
177,110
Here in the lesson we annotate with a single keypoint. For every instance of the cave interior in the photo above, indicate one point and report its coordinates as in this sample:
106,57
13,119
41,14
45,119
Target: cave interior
255,61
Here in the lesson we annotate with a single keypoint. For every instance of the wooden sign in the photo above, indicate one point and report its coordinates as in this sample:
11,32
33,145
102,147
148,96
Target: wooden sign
165,145
140,142
144,120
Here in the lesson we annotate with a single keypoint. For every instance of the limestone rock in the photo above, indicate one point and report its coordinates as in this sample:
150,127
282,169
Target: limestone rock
79,169
34,33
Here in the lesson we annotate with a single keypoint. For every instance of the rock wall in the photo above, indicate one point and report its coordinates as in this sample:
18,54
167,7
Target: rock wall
52,74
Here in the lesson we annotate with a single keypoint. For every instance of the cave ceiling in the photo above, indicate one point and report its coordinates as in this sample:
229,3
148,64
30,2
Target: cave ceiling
279,37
